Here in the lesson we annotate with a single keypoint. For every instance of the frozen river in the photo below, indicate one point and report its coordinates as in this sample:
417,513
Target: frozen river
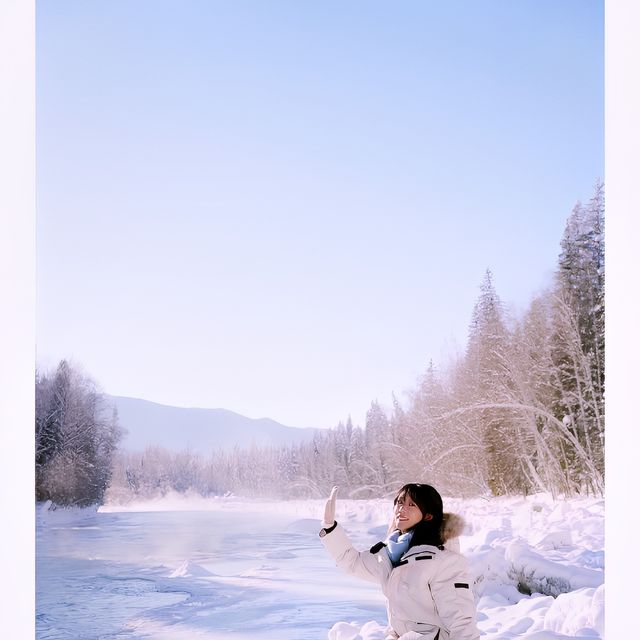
189,574
239,569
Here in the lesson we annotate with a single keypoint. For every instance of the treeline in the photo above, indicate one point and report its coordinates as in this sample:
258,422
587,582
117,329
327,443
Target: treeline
76,435
521,411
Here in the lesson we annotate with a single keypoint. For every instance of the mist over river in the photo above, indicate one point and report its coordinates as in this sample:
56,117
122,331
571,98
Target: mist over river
209,574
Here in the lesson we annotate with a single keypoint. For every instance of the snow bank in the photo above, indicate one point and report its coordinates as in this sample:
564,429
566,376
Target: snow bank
577,613
352,631
535,573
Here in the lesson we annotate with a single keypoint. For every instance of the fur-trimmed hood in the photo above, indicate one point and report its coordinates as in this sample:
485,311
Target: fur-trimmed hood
453,526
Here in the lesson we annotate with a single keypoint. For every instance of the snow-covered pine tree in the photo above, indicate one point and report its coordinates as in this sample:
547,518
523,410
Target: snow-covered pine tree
350,457
579,317
424,438
488,388
377,439
407,446
581,275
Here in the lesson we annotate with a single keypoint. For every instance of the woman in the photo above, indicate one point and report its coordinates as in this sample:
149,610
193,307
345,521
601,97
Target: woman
426,583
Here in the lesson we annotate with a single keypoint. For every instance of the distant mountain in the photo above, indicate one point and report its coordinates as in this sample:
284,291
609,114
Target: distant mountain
200,430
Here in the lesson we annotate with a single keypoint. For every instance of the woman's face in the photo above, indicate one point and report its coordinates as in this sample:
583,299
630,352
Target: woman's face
406,513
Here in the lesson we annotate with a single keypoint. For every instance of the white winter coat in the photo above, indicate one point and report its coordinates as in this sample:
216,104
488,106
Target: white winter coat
428,592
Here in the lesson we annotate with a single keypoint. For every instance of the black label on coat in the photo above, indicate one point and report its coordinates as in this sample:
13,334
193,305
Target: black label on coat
461,585
376,547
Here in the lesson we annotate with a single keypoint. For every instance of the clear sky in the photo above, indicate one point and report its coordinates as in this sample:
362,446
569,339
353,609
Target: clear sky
286,209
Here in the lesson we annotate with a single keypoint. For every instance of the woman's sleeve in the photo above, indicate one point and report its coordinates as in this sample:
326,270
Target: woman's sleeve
453,598
361,564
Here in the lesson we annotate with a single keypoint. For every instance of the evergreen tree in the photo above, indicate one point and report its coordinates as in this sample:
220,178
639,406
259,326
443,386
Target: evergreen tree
377,439
486,365
579,318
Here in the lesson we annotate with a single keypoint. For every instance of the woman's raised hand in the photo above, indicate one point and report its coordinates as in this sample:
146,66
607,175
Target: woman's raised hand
330,508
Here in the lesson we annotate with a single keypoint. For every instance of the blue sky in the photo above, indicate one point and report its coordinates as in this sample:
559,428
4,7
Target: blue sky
286,209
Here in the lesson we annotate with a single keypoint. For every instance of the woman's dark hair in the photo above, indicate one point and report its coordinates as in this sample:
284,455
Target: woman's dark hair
428,500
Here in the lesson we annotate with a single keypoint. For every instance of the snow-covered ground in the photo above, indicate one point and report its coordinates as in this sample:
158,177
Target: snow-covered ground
193,568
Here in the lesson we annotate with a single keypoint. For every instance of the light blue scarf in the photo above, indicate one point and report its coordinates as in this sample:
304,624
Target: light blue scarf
397,543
